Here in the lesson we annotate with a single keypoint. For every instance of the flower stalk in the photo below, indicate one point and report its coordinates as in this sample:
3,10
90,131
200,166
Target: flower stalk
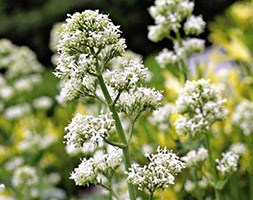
218,195
120,131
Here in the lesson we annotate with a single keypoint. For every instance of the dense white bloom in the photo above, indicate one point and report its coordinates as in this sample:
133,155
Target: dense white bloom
167,58
43,102
238,148
126,78
168,16
200,104
88,128
159,173
93,170
138,100
243,117
194,157
17,111
194,25
228,163
88,41
192,45
127,56
160,117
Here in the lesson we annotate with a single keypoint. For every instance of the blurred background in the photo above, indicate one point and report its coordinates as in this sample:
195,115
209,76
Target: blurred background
29,22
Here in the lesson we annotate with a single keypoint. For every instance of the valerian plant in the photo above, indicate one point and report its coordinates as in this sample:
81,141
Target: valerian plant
88,42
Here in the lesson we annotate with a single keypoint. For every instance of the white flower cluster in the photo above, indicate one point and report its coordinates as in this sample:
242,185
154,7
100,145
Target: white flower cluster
26,178
194,25
85,128
238,148
195,157
17,111
243,117
200,105
159,173
95,169
139,99
33,141
126,78
170,16
185,48
160,117
88,41
228,163
18,61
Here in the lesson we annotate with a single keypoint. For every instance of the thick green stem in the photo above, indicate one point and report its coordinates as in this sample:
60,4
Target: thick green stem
218,195
111,193
119,128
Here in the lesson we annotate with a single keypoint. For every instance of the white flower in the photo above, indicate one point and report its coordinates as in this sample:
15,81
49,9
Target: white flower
126,78
14,163
88,128
194,25
6,92
238,148
43,102
243,117
138,100
167,58
168,16
201,104
159,173
161,117
189,186
25,177
188,47
17,111
194,157
88,41
95,169
228,163
85,173
2,186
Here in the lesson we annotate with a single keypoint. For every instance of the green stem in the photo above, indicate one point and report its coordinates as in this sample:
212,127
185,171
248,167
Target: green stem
119,128
212,165
234,188
112,193
151,196
198,192
250,148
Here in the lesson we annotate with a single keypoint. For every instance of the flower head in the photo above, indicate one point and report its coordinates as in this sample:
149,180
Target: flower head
138,100
243,117
161,116
194,157
200,105
95,169
159,173
228,163
85,128
88,41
